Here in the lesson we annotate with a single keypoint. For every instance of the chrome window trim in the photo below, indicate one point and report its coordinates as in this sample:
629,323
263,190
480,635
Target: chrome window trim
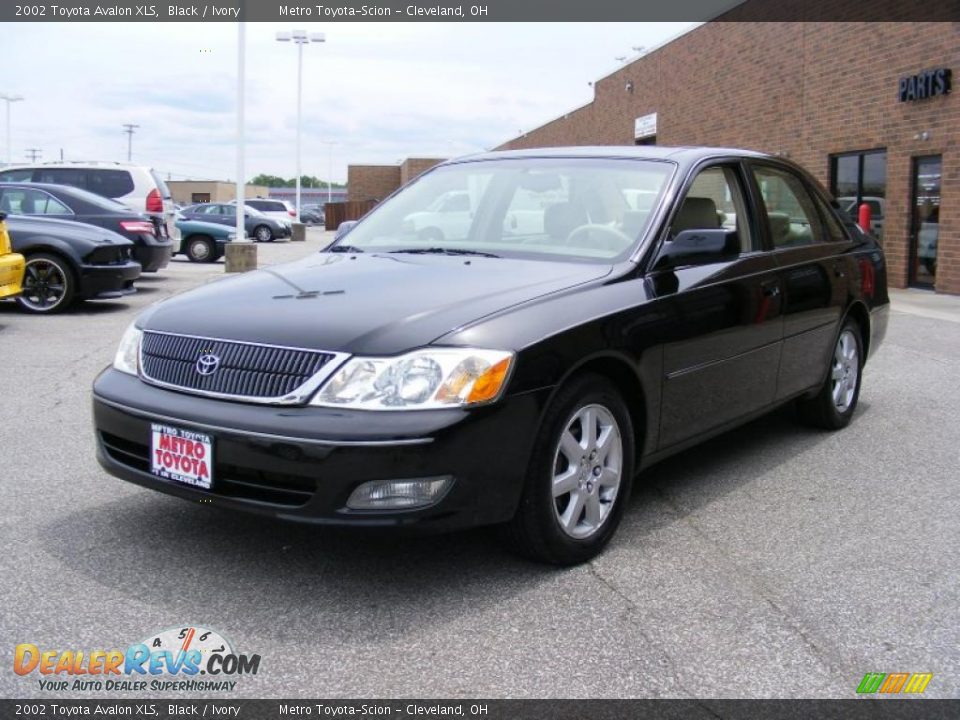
300,396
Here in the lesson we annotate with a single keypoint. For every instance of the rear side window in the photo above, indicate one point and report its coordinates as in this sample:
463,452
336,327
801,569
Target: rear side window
792,216
267,205
62,176
109,183
23,175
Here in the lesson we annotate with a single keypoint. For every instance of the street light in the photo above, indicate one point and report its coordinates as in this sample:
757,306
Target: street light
9,99
301,38
330,144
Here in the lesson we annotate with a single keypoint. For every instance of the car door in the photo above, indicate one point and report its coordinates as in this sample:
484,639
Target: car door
808,247
720,362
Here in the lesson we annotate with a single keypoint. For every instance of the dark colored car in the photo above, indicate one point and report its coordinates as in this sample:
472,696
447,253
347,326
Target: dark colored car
312,214
68,261
257,225
604,308
203,241
151,248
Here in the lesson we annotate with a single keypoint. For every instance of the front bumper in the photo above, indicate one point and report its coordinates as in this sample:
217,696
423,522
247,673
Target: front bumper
153,253
302,463
108,281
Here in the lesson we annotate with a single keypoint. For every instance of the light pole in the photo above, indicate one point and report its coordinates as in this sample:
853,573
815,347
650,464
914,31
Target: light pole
329,144
240,227
301,38
9,99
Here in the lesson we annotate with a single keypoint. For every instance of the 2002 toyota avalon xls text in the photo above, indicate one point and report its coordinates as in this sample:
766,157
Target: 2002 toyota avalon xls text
600,309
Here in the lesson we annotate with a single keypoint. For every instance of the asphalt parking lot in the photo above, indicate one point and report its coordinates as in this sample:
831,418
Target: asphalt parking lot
774,561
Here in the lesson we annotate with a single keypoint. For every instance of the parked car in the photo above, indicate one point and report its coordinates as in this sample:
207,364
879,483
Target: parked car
151,247
312,214
203,241
140,188
68,261
11,264
279,210
507,379
257,225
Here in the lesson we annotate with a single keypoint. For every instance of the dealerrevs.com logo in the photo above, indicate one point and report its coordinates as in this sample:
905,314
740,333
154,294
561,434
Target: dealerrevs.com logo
178,659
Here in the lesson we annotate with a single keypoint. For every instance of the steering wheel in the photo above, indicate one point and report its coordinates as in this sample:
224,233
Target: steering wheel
616,239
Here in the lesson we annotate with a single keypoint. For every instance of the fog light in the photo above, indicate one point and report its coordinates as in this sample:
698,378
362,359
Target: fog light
399,494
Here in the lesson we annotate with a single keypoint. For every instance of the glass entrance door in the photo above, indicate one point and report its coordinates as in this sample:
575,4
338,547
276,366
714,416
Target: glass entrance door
925,219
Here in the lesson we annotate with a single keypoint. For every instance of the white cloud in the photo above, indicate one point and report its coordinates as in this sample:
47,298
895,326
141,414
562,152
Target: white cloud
381,91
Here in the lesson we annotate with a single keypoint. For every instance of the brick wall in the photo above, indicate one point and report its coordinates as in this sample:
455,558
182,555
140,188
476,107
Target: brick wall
806,90
411,167
371,182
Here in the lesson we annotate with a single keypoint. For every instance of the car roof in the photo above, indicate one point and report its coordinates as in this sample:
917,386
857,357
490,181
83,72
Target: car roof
681,154
81,164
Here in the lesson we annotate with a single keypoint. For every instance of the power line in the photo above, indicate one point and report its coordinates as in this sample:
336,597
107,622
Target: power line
34,154
129,129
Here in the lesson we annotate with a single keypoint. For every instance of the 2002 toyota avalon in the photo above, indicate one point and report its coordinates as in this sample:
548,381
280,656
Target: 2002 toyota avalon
602,309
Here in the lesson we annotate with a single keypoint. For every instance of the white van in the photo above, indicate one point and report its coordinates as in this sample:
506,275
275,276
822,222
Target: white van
138,187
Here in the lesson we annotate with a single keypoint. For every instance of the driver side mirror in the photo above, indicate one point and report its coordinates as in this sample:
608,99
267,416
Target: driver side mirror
698,247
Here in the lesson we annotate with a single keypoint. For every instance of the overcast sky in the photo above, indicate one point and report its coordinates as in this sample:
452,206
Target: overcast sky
380,91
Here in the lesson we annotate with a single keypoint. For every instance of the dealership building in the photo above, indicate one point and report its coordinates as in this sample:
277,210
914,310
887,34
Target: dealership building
865,107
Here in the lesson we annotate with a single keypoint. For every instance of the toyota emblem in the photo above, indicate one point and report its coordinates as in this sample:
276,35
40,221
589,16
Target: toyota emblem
207,364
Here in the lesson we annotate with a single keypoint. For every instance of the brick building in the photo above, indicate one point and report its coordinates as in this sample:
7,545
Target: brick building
375,182
865,107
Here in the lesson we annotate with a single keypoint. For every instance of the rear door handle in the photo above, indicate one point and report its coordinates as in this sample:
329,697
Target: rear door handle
771,289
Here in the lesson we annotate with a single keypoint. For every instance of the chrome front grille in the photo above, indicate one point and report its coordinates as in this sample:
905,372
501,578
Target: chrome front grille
244,371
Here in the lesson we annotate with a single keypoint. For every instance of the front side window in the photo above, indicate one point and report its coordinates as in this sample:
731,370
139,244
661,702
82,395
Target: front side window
792,217
715,201
31,202
22,175
557,208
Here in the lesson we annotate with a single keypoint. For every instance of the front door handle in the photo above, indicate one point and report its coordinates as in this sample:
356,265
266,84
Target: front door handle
771,290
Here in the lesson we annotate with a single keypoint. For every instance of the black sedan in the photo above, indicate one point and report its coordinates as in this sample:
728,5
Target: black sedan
598,310
68,261
257,225
151,248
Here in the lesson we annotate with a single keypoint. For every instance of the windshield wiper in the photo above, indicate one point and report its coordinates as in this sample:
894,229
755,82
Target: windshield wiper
444,251
345,249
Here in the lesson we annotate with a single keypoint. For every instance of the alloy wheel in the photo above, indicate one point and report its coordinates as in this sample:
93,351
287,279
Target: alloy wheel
44,285
587,469
844,371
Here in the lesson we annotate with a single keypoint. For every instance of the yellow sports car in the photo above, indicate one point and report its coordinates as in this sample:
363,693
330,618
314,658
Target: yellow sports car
11,264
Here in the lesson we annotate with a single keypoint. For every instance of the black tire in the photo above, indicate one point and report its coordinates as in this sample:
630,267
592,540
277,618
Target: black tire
49,285
201,249
823,410
535,530
262,233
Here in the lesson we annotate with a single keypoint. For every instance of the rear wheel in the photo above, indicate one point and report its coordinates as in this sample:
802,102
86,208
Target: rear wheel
262,233
833,406
580,475
201,249
48,284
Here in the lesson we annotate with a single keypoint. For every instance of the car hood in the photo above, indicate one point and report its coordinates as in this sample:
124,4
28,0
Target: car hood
374,304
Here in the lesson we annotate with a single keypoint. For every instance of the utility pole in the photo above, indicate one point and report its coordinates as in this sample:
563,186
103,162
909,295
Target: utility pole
129,129
34,154
9,99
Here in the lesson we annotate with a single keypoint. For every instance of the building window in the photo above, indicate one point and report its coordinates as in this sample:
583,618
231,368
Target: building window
861,177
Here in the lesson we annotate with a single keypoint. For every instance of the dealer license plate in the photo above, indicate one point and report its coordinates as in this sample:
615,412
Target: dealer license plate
184,456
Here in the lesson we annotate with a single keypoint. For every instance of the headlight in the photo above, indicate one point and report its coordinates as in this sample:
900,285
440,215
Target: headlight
422,380
128,354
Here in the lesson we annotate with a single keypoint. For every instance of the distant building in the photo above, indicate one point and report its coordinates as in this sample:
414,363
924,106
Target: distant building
190,192
308,196
375,182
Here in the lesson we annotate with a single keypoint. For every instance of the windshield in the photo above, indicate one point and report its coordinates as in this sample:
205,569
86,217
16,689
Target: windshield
586,209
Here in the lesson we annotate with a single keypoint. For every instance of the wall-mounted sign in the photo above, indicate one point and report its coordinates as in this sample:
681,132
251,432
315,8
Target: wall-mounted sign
645,126
927,84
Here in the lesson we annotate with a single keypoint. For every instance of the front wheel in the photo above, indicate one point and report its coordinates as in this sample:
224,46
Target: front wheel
262,233
201,250
48,284
580,475
833,406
